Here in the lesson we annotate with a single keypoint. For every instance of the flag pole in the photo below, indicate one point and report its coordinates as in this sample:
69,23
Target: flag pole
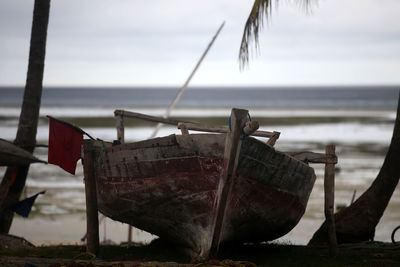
185,85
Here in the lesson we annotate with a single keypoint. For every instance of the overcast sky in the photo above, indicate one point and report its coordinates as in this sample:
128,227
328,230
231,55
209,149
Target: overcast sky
157,43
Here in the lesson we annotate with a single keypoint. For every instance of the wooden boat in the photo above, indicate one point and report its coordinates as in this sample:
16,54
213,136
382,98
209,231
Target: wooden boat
171,187
11,154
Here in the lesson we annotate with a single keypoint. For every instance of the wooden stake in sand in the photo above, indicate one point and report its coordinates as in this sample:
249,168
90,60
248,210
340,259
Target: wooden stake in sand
92,220
329,189
329,159
119,119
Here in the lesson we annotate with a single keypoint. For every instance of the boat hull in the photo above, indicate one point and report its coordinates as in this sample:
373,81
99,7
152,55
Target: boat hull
167,186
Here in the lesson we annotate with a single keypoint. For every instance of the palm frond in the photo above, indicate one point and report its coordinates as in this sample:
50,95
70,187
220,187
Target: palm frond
261,9
252,27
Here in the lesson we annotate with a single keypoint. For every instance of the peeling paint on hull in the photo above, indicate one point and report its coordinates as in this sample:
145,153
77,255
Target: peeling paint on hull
167,186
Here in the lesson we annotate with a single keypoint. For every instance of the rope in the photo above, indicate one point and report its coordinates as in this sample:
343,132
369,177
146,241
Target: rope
92,148
103,147
393,235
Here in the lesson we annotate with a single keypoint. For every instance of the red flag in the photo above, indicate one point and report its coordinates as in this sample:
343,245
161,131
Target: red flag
65,143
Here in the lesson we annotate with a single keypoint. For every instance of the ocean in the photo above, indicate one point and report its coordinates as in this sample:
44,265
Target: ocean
358,119
355,97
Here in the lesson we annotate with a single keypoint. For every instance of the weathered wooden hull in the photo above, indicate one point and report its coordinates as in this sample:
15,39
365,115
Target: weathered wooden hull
167,186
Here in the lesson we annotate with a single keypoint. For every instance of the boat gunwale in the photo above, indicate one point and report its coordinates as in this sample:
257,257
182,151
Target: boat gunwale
149,143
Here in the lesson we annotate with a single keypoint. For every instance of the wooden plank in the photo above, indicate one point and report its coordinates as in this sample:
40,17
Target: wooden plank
219,129
203,128
329,190
92,220
183,128
121,137
189,125
169,140
130,114
273,138
231,156
312,157
119,123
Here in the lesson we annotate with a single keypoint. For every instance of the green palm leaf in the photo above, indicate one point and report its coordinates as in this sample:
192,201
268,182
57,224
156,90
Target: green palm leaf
261,9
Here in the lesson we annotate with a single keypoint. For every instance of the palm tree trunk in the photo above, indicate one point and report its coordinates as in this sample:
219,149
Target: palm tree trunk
11,188
357,222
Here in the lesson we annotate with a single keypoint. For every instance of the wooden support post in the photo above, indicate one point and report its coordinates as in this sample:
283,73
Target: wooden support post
329,189
312,157
231,157
222,129
120,128
184,129
129,235
121,137
272,140
92,220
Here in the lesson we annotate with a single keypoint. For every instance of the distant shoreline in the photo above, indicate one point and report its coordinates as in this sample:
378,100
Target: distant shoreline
353,97
201,87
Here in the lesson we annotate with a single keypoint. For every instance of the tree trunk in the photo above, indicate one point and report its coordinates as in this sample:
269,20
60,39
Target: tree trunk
357,222
14,179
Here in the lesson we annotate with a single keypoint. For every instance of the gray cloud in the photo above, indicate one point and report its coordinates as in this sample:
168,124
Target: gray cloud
131,42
